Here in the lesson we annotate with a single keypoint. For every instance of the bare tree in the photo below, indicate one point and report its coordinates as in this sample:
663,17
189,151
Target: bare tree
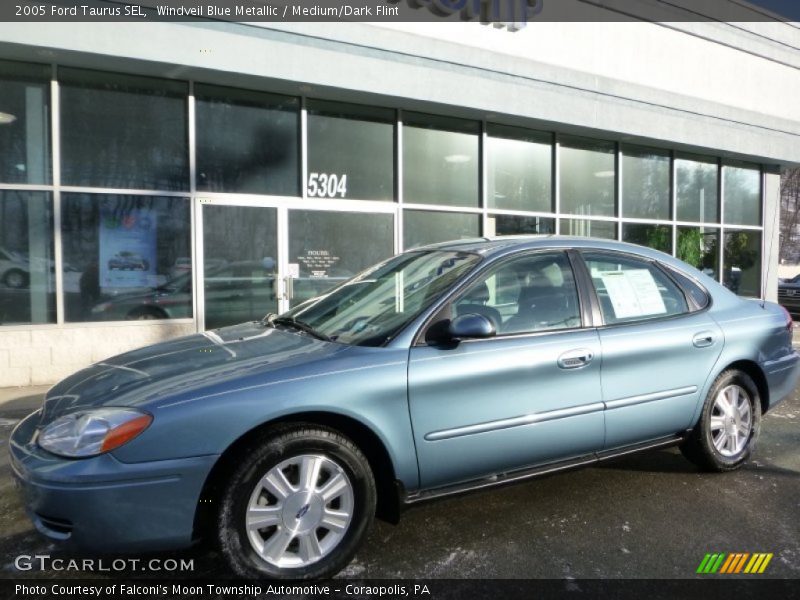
790,216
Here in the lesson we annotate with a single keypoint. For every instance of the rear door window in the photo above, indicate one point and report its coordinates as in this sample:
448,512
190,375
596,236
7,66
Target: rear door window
631,289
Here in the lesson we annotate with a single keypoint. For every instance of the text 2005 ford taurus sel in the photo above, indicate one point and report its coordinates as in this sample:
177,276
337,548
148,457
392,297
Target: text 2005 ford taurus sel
439,370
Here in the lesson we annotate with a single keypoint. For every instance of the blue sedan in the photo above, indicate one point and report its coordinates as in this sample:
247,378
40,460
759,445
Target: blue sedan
445,369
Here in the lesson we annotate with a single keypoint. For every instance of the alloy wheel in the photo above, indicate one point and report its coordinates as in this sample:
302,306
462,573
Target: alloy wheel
731,420
299,511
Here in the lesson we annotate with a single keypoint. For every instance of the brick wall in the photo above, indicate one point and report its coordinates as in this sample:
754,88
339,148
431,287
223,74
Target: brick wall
46,355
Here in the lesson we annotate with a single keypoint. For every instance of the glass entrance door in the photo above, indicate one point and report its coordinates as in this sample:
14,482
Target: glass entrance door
327,248
260,256
240,263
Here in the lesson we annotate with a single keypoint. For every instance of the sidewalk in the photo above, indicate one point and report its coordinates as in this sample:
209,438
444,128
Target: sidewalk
11,398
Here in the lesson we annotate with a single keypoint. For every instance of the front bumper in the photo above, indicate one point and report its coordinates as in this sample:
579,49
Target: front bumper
102,504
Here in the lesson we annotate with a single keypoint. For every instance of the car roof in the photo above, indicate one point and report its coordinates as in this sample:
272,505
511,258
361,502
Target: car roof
492,248
496,246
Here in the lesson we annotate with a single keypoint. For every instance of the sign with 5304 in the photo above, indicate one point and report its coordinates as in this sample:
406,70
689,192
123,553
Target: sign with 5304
326,185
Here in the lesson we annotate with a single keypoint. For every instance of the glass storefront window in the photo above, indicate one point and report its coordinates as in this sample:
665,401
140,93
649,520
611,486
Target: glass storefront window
645,183
422,227
741,262
324,251
658,237
518,225
24,123
27,264
519,169
440,161
696,190
587,177
699,247
126,257
121,131
741,195
240,244
350,152
247,142
585,228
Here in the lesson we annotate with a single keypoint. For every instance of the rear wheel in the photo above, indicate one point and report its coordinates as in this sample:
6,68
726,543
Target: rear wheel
726,435
298,506
16,279
146,313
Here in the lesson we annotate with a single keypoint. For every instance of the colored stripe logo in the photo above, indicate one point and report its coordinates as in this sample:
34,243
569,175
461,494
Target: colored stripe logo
734,563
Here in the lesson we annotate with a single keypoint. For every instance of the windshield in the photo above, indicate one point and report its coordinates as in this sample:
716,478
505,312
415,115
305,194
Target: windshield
374,306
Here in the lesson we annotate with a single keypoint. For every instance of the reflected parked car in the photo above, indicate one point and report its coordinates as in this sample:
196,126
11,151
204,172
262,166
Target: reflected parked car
14,269
183,265
445,369
234,292
789,294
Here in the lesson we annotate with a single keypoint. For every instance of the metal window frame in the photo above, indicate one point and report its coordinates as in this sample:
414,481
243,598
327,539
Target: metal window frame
396,207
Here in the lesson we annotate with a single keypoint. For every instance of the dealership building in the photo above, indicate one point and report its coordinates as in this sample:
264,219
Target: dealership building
159,179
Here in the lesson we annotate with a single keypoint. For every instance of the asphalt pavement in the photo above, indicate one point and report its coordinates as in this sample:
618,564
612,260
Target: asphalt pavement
651,515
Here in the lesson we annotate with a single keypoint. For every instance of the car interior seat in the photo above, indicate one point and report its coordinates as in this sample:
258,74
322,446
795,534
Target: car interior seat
474,302
541,306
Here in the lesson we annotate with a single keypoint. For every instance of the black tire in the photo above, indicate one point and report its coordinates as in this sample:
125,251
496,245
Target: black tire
279,445
146,314
699,446
16,279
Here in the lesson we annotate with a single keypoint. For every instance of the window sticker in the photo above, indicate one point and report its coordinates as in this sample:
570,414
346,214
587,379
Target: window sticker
633,293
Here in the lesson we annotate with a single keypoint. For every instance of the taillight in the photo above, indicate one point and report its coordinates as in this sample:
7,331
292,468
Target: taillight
789,320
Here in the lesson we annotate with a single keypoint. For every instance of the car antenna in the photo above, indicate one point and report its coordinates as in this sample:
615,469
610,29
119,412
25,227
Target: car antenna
776,226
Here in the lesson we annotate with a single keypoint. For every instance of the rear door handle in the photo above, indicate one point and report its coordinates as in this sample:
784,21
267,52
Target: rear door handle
575,359
703,339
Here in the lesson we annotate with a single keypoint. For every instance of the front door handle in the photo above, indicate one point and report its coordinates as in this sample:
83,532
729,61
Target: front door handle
574,359
703,339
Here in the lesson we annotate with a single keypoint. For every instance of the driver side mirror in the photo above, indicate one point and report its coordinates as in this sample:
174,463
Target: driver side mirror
471,325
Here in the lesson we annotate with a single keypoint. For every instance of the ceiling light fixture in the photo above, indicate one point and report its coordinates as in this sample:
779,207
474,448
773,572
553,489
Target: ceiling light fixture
6,118
457,158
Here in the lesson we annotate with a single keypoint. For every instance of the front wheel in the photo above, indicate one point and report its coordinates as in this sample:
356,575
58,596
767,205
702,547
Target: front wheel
726,435
298,506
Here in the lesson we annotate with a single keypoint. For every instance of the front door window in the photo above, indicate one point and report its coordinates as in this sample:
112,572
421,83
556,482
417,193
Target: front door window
526,295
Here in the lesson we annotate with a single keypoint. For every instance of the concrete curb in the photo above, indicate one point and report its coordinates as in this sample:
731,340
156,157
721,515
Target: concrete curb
20,395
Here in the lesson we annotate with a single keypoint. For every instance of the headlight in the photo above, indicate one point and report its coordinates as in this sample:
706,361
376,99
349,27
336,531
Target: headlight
93,432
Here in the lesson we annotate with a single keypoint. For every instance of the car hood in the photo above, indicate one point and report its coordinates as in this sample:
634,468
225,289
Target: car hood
175,368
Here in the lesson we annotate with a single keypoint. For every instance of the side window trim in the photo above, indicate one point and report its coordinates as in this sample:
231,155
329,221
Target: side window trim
591,315
612,254
671,272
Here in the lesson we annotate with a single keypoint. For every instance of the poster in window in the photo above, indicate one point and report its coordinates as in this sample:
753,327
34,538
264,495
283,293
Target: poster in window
633,293
127,248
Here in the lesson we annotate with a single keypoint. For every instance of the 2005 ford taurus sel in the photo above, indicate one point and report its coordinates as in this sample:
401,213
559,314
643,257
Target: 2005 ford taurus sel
444,369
